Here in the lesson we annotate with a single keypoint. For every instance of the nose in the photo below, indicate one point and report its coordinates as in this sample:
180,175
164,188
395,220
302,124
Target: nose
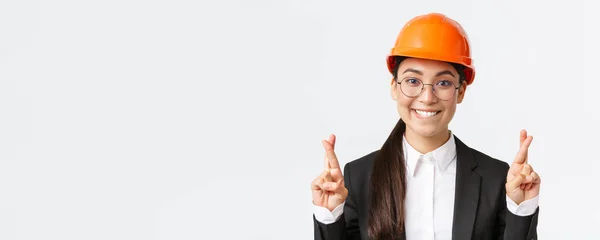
427,95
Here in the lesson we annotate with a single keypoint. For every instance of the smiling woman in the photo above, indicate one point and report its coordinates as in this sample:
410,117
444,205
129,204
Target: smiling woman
427,112
424,182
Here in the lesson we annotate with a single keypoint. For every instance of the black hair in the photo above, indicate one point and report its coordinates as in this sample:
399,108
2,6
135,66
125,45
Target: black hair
388,179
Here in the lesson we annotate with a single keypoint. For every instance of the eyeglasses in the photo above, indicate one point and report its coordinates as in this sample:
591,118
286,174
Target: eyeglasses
443,89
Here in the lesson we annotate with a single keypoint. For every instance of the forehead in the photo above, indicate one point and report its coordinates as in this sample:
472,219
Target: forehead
425,65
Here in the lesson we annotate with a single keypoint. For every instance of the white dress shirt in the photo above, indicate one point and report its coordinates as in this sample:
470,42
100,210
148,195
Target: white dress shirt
429,199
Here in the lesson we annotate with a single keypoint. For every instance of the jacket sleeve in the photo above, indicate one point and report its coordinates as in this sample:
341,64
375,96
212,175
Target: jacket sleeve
513,227
346,227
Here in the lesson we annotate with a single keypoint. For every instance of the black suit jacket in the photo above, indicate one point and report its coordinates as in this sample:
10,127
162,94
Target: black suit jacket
480,210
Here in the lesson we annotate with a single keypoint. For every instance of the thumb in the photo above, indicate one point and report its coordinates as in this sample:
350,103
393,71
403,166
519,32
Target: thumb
515,183
341,193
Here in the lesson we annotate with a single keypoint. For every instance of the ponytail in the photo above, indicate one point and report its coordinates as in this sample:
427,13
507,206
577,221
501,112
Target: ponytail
388,188
388,179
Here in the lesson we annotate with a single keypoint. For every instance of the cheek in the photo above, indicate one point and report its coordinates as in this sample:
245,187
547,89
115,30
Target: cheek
450,109
403,103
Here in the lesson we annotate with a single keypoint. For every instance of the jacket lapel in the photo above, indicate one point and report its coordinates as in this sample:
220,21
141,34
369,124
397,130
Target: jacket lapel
466,196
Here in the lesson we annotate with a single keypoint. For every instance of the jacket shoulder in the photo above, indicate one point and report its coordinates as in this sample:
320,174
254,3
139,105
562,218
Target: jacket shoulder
490,164
361,164
357,174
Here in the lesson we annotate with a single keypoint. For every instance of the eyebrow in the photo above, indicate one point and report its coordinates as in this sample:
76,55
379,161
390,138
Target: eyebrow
412,71
445,72
421,73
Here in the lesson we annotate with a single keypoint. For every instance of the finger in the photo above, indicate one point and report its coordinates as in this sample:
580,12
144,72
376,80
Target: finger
535,180
523,135
336,174
526,170
332,186
515,169
316,184
332,140
341,193
327,176
326,161
523,151
515,183
529,144
526,181
330,155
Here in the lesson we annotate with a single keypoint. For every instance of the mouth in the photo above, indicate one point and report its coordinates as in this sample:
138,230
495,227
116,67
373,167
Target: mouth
425,113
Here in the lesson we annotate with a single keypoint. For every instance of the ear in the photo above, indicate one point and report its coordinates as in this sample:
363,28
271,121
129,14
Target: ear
394,89
461,92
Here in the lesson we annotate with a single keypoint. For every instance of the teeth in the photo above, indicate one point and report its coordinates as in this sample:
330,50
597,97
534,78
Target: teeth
425,114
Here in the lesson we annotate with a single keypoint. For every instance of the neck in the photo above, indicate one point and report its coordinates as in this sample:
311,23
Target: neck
425,144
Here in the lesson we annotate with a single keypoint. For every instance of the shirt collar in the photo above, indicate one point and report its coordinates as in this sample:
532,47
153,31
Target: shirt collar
442,156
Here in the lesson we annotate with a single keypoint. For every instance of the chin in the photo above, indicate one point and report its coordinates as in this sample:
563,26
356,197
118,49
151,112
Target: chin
426,130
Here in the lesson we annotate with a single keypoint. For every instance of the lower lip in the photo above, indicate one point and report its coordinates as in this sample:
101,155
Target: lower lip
424,117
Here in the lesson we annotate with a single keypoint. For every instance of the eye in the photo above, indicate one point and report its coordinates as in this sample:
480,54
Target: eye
412,81
445,83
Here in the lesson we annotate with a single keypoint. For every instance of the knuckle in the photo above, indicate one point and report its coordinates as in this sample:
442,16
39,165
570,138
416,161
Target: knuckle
317,181
345,192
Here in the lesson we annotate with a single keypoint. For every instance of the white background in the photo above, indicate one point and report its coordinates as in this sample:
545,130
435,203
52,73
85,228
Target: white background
202,120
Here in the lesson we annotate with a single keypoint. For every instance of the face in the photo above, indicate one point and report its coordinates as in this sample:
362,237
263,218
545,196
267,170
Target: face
426,114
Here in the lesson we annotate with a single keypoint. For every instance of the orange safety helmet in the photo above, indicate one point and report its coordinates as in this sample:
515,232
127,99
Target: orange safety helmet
437,37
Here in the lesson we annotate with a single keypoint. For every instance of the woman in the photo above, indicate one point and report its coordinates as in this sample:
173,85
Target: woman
424,183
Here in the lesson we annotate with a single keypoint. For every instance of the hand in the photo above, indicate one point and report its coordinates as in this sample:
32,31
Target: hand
328,189
522,183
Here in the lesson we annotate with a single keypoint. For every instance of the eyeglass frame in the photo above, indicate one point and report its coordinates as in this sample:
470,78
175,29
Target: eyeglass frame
432,88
